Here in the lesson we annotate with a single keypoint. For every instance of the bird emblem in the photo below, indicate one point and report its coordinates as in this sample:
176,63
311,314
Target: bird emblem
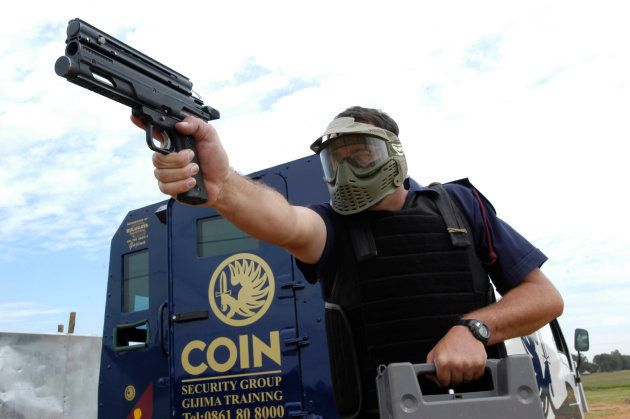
242,289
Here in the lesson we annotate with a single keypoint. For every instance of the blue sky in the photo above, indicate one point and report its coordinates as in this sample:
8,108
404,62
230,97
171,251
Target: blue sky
528,100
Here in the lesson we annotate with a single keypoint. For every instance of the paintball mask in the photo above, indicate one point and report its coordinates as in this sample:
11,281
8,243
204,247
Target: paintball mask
362,164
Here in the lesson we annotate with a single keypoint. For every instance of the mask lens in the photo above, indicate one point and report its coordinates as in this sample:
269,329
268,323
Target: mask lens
361,152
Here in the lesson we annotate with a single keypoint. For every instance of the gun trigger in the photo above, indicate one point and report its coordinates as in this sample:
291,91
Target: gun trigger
151,144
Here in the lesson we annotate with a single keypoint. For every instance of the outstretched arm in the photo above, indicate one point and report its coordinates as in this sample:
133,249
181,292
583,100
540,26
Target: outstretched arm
459,357
522,310
253,207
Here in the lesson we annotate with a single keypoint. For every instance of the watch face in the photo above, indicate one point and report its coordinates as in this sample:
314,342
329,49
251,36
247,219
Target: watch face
483,331
479,330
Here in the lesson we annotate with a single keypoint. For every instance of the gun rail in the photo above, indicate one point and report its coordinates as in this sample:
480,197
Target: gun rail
84,33
107,66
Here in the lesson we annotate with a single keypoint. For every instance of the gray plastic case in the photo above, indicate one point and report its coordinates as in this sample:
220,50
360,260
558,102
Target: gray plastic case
514,395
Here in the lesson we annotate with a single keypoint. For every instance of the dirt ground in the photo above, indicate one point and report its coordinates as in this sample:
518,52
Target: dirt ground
608,394
609,410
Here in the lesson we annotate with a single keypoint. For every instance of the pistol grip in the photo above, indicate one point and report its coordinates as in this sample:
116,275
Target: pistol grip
198,194
172,140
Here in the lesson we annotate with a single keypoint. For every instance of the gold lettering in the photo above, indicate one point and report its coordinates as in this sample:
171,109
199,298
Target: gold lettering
261,382
137,231
253,397
231,347
188,367
243,344
204,388
272,351
243,354
197,402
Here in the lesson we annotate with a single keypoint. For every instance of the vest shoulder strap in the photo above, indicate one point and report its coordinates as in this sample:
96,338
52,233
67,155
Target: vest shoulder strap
483,202
456,225
363,239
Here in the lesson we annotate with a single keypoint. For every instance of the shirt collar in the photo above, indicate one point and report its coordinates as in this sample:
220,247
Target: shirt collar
412,187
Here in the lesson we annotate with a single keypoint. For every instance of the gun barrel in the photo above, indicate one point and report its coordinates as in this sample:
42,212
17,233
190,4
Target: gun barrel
84,33
105,65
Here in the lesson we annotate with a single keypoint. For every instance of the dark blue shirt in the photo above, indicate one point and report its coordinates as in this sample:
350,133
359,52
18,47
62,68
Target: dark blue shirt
507,256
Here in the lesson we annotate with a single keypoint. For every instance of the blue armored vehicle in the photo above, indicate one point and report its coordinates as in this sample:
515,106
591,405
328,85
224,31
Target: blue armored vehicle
205,322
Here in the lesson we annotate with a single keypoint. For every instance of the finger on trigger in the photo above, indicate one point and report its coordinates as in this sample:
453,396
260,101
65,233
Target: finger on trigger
137,121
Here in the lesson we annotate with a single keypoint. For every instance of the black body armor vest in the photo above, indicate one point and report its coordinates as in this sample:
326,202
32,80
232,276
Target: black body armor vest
403,279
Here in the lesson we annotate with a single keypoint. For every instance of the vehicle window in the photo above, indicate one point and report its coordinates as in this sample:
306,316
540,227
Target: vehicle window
135,281
217,236
547,336
559,340
552,341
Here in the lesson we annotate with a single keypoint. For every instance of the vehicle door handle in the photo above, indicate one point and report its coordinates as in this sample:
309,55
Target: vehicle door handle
163,325
190,316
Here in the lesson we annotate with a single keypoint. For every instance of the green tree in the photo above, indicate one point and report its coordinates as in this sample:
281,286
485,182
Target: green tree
613,361
585,366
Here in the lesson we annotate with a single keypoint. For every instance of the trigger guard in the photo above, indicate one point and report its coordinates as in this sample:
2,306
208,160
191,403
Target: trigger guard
149,137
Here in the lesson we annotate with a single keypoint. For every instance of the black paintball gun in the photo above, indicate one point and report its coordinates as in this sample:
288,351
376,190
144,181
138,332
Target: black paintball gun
158,95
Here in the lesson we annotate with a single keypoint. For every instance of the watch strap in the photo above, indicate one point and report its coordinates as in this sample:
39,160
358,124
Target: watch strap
475,326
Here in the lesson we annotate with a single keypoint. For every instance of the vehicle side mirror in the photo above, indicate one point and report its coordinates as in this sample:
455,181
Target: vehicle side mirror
581,340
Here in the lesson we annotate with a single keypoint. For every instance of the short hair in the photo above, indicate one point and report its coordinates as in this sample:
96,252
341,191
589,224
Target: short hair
371,116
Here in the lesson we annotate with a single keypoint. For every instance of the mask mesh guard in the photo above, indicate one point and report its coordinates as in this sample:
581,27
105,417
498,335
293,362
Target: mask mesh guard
349,193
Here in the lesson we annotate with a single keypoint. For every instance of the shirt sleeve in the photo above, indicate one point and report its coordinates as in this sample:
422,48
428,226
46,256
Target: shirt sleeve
515,256
312,271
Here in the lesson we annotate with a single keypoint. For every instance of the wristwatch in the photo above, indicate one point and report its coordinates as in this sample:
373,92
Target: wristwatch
478,329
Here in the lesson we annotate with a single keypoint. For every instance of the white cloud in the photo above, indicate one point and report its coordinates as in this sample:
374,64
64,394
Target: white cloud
20,311
528,100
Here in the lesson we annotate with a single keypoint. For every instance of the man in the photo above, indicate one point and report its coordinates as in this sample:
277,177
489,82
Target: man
404,268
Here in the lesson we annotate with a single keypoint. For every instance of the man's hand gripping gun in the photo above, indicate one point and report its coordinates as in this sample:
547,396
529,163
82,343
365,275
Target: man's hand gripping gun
158,95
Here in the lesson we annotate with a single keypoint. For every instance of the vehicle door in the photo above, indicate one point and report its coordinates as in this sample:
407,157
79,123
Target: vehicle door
559,391
233,322
134,371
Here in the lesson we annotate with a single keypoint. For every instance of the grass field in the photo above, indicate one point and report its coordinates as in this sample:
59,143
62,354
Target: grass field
608,394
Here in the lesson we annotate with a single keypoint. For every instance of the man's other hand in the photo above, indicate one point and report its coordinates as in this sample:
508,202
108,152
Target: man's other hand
458,357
